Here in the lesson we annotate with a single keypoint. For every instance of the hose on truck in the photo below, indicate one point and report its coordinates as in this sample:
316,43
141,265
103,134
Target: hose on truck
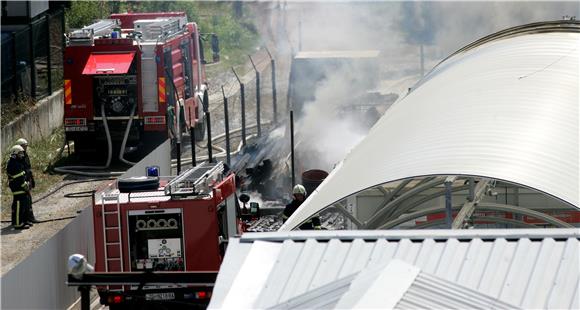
126,137
75,169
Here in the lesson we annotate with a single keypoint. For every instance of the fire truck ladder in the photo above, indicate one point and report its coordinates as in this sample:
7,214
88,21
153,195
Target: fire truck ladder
196,181
112,231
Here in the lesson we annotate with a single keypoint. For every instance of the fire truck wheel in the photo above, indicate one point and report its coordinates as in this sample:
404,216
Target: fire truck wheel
138,184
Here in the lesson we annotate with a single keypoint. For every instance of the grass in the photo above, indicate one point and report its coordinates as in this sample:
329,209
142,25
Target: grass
41,154
16,106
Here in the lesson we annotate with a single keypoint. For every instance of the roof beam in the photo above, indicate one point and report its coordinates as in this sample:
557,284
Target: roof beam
403,209
345,212
379,216
468,207
525,211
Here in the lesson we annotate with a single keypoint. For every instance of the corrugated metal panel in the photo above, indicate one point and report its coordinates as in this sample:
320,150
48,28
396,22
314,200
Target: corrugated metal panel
507,110
429,292
536,268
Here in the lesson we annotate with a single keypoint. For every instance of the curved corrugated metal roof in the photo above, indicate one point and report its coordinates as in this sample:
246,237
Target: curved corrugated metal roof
504,109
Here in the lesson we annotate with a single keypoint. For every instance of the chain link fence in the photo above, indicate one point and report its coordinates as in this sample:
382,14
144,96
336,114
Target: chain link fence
32,62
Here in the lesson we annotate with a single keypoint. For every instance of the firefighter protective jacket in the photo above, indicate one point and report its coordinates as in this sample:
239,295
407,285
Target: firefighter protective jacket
28,168
313,223
16,170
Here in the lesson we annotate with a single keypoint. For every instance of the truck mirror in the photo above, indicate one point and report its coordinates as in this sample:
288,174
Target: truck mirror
215,47
244,198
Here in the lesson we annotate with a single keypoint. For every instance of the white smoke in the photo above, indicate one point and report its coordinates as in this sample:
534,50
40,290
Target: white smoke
327,131
397,30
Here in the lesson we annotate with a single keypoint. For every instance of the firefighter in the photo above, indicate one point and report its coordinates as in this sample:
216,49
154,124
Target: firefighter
16,171
30,219
30,178
299,193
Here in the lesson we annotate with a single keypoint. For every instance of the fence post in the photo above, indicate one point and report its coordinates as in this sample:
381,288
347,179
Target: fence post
14,67
258,124
274,97
209,146
292,147
31,62
205,103
227,123
48,60
243,98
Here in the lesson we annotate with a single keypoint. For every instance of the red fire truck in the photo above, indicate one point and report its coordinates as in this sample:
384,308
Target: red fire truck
126,78
171,226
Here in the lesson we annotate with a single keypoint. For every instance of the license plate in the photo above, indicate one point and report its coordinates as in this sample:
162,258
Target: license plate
76,128
160,296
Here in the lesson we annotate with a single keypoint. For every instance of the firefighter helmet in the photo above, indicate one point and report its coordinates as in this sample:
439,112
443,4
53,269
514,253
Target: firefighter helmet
22,142
16,149
299,189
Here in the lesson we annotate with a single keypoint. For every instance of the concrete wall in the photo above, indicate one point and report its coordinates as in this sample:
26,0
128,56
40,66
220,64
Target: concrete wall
39,281
33,125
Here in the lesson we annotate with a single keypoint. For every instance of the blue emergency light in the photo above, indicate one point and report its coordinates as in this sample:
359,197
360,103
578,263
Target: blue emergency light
152,171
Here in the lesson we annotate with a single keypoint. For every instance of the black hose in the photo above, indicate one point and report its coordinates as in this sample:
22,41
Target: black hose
67,184
80,194
50,220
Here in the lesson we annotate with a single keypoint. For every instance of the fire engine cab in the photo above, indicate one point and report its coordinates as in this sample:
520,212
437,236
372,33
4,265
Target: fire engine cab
162,224
127,78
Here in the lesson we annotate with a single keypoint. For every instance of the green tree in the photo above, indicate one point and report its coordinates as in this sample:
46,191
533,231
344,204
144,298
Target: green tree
82,13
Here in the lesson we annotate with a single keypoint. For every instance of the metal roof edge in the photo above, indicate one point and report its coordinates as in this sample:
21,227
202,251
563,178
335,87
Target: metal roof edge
411,234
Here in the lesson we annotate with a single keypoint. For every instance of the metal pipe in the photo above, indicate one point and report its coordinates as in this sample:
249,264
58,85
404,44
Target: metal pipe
471,189
192,138
258,126
524,211
292,146
243,100
469,207
448,201
414,215
227,124
274,95
403,209
378,217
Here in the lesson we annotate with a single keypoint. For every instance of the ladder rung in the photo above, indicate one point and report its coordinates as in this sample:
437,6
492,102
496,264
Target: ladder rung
112,227
110,212
112,243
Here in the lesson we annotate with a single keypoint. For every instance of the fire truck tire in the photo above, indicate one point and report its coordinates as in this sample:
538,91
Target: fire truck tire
137,184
